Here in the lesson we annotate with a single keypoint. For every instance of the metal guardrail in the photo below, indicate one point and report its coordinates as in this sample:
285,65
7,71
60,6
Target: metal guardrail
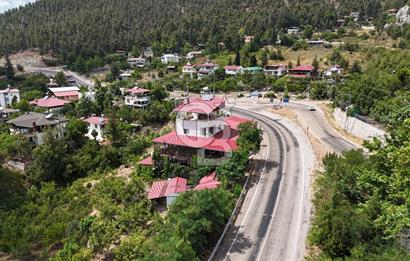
235,212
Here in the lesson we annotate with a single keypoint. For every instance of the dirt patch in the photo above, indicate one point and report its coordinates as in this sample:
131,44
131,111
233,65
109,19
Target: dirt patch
125,172
328,112
28,58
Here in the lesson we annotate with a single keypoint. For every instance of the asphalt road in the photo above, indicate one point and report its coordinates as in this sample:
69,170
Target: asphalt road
319,126
80,80
273,221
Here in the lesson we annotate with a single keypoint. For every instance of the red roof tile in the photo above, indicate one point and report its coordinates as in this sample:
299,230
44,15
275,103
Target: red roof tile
147,161
303,68
137,90
235,121
97,120
197,105
49,103
232,67
67,93
208,182
164,188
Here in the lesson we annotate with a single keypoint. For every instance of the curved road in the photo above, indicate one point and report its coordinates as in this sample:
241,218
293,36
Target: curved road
273,221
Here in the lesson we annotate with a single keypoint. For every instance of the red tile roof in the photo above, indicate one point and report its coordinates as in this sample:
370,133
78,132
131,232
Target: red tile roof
67,93
147,161
49,103
208,182
232,67
303,68
137,90
235,121
97,120
164,188
217,143
197,105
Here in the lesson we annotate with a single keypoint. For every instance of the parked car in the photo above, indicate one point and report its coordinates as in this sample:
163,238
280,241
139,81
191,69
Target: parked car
312,108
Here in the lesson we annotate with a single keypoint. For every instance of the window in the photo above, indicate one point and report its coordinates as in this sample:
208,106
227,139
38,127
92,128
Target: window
203,131
186,131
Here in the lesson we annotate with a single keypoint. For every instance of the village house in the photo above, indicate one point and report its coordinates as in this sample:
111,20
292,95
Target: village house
340,22
138,62
65,93
35,125
194,54
201,130
275,70
148,52
233,69
166,191
293,30
333,71
137,98
125,75
251,70
303,71
96,126
5,114
189,69
316,43
208,182
170,58
51,104
9,96
248,39
206,69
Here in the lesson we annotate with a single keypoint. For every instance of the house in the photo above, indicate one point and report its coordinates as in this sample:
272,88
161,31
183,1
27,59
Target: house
65,93
148,52
208,182
275,70
139,62
340,22
248,39
96,126
125,75
314,43
170,58
251,70
50,103
355,15
233,69
194,54
303,71
333,71
206,69
5,114
167,189
189,69
34,125
9,96
293,30
201,130
137,97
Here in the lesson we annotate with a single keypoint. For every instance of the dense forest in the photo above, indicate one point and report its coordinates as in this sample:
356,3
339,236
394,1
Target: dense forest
88,28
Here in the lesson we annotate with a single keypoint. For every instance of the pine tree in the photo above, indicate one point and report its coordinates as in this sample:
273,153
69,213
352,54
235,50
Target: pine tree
315,64
253,61
237,58
9,68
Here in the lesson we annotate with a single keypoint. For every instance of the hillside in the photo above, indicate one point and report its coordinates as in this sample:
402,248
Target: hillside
95,27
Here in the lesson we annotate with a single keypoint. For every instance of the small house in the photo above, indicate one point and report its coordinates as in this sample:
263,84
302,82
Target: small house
65,93
233,69
167,190
138,62
275,70
51,104
303,71
170,58
188,69
137,98
34,125
96,126
9,96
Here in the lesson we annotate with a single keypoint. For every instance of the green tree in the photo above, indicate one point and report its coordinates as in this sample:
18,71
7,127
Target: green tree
237,58
308,31
60,79
253,62
76,129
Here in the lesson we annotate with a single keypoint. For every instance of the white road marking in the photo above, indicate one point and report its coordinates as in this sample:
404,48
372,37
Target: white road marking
274,210
253,198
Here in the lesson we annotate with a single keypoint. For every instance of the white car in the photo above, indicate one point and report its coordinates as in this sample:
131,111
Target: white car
312,108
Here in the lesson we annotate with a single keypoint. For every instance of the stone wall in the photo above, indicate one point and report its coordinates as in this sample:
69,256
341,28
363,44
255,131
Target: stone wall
357,127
